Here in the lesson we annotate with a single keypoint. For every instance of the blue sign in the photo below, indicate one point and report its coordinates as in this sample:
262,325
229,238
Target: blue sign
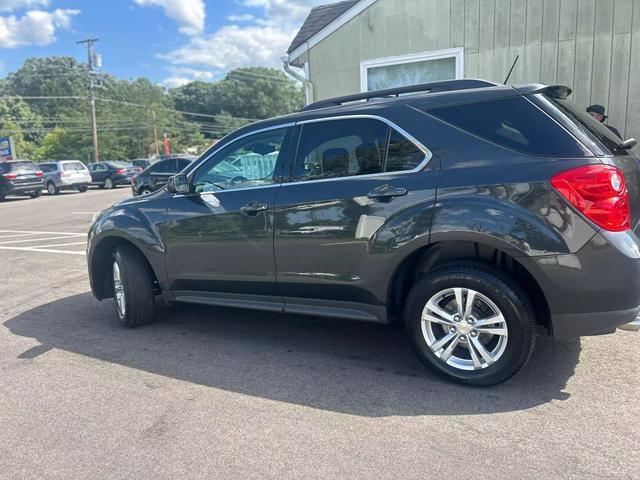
6,148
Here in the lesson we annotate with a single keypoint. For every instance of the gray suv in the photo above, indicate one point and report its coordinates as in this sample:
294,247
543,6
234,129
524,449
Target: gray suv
65,175
471,213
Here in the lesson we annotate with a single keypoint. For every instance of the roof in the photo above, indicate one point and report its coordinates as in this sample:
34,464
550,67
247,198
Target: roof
318,18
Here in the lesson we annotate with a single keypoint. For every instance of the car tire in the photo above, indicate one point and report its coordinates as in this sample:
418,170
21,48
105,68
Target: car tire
35,194
489,342
132,283
82,189
52,189
108,183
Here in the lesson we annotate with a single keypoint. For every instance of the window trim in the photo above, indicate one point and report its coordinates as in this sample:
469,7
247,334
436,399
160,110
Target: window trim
456,53
287,181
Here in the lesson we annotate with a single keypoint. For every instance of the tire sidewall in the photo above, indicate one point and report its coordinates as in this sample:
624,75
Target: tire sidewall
516,312
117,259
52,189
108,184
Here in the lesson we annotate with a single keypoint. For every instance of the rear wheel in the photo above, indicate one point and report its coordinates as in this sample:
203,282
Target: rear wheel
132,282
82,189
108,183
52,189
35,194
470,324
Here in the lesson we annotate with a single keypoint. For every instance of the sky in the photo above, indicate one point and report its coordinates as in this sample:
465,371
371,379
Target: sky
170,42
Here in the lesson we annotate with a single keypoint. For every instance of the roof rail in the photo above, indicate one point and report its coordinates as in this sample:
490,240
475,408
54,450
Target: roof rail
446,86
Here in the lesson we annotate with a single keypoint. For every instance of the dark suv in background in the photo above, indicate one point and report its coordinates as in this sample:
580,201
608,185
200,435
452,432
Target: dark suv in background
156,175
471,212
110,174
20,177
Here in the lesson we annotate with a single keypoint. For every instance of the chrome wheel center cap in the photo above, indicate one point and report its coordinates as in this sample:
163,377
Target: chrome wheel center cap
464,328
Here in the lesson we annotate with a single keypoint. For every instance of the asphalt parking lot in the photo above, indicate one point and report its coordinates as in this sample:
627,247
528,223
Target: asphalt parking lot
209,392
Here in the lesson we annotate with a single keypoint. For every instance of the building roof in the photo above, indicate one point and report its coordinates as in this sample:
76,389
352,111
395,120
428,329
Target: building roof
318,18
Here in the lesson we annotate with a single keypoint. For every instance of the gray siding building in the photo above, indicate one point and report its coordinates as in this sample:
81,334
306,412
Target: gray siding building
591,45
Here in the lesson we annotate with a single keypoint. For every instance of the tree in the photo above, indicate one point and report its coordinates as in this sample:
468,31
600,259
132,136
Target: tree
15,117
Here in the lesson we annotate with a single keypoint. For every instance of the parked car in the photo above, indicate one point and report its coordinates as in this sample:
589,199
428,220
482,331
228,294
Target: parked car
156,175
110,174
140,163
471,212
20,177
65,175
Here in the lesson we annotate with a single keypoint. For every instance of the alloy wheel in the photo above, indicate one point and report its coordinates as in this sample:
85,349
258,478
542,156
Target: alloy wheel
118,290
464,329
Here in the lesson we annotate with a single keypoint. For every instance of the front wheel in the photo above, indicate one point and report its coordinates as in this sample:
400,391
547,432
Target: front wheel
83,189
470,324
132,283
108,183
35,194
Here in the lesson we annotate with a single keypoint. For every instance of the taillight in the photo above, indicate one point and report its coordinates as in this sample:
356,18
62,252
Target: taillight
39,174
10,176
599,192
121,170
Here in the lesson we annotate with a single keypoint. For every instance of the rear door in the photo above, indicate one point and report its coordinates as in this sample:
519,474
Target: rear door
98,172
361,188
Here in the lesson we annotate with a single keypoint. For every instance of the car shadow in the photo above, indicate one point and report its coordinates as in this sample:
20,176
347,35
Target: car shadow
356,368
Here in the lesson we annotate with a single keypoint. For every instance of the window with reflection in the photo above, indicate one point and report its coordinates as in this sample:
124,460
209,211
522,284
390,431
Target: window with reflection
249,162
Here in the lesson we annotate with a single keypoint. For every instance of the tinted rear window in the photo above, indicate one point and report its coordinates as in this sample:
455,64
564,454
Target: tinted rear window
22,167
120,164
73,167
514,123
47,167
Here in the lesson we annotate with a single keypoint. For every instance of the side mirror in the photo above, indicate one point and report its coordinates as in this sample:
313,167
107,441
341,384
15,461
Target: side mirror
178,184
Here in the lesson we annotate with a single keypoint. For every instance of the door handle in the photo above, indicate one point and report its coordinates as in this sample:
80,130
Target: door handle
386,192
253,208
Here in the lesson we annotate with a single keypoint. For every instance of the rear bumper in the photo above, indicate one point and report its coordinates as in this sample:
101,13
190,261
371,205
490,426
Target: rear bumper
595,290
23,188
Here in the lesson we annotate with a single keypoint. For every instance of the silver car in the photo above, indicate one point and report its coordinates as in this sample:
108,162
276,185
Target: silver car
65,175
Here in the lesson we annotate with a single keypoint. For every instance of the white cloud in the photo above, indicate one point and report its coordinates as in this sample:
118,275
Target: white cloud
284,10
233,46
190,14
175,82
247,17
34,27
10,5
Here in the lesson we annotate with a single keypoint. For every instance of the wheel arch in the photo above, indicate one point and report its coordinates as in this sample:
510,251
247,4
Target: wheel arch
100,264
480,251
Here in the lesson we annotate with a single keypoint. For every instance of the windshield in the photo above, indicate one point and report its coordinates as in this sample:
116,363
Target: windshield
22,167
120,164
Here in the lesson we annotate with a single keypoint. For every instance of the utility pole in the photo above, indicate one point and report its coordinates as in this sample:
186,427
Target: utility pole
92,99
155,134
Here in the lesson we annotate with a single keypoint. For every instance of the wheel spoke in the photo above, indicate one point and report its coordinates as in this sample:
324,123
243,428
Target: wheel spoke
471,298
493,331
459,301
434,319
489,320
443,341
447,353
439,311
482,351
474,356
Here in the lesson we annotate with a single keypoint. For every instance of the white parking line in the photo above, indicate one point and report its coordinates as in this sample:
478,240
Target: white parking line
34,249
42,240
59,245
32,232
46,239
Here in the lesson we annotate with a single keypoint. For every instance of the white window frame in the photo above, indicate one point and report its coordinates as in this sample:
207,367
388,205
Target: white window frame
457,53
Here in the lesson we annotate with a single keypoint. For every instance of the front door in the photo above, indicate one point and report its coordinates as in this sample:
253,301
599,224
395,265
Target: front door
219,239
360,191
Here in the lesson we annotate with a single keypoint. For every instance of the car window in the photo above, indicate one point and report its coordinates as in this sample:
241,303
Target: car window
22,167
165,166
514,123
249,162
73,167
402,154
120,164
97,167
47,167
182,164
341,148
